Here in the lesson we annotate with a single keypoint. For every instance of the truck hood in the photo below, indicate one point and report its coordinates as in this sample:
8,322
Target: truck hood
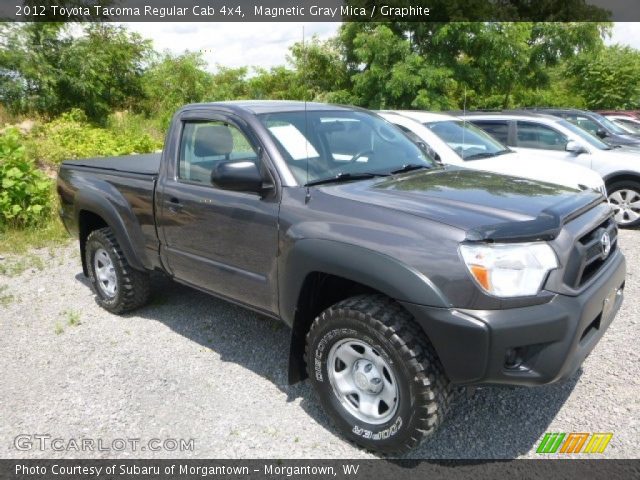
537,167
487,206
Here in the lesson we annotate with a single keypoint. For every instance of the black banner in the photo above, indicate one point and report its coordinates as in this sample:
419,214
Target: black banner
320,469
318,10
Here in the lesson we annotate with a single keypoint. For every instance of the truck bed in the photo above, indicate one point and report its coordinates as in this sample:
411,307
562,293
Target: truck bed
146,164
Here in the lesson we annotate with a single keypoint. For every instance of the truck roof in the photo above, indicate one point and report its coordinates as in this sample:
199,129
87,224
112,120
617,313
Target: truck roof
268,106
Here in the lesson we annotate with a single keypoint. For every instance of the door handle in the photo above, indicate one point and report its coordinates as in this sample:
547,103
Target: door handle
174,205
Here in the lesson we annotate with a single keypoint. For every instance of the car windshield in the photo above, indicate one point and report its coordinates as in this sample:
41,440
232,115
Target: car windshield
467,140
630,125
341,145
609,124
586,136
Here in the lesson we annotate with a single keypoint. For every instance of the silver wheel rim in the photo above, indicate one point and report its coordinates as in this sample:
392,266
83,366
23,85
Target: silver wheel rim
363,381
105,273
626,205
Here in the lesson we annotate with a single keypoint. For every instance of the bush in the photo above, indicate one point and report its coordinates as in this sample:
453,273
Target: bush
25,196
71,136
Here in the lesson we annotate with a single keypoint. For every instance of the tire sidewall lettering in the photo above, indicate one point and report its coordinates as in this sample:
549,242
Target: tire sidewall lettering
369,432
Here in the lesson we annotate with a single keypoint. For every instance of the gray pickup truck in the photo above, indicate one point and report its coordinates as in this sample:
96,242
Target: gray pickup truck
400,278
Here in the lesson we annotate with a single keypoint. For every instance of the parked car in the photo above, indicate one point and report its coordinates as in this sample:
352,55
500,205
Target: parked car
595,124
399,277
629,113
626,122
455,142
533,132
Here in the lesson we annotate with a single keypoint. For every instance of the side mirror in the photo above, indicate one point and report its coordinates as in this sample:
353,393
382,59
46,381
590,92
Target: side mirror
574,147
602,133
242,176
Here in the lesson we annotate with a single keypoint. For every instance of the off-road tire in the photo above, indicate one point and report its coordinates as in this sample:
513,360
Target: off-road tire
425,393
133,286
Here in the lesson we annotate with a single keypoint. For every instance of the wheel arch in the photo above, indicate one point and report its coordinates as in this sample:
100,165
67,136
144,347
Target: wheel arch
621,176
319,273
94,211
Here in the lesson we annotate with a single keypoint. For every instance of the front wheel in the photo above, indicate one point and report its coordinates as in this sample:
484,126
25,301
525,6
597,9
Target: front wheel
624,197
376,374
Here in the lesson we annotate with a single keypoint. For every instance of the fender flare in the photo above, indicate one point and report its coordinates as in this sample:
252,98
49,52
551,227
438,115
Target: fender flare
121,220
358,264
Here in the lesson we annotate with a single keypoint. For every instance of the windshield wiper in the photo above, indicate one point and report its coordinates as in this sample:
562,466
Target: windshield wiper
476,156
409,167
343,177
503,152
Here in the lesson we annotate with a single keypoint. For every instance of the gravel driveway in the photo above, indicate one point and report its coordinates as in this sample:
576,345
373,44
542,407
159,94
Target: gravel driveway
191,367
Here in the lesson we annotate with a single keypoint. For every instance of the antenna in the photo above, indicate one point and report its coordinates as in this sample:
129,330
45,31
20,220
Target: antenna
306,126
464,121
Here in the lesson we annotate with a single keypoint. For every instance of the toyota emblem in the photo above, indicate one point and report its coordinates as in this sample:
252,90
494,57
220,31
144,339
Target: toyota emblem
605,242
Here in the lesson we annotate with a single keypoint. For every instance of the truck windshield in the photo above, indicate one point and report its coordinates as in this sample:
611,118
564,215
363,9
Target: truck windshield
341,145
467,140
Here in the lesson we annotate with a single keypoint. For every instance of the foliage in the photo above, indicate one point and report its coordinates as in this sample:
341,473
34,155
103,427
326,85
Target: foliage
71,136
488,63
173,81
25,193
45,69
318,68
610,80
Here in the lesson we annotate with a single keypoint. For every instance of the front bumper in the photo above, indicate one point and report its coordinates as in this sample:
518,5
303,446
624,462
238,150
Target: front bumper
524,346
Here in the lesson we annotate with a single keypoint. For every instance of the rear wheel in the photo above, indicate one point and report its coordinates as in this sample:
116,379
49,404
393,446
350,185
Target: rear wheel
624,197
376,374
119,288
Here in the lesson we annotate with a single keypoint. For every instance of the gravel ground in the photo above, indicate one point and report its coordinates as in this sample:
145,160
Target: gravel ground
189,366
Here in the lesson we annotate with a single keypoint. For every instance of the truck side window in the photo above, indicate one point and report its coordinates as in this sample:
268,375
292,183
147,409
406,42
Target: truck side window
496,128
533,135
204,144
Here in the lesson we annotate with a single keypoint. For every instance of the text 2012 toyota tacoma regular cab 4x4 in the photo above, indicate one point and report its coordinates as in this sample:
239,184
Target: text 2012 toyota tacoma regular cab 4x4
399,277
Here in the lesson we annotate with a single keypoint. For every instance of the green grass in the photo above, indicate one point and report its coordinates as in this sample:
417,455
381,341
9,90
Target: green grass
58,330
52,234
15,266
5,300
73,318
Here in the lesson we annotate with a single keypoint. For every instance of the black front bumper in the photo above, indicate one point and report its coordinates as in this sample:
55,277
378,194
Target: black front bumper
524,346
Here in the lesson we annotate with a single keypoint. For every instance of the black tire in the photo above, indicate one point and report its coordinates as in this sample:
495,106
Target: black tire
622,186
132,286
424,392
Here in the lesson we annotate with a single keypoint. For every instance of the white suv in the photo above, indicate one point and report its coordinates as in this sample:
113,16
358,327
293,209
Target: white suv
557,138
455,142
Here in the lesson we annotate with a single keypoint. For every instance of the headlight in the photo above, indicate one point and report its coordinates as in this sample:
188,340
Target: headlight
509,269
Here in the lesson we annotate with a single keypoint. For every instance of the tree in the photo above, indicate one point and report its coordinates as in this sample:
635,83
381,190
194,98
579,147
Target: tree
172,81
610,80
45,69
321,70
492,62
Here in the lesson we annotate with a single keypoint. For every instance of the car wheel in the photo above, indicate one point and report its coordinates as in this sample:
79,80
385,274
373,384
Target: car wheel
118,287
624,197
376,374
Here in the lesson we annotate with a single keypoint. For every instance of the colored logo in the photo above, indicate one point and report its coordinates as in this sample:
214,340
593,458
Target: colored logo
574,442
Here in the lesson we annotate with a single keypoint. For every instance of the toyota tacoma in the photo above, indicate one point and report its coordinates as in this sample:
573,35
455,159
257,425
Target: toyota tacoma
401,278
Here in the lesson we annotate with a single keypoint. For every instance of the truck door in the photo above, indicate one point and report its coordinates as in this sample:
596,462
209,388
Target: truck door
219,240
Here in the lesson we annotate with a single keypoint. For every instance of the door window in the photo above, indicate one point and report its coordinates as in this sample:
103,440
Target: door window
497,129
204,144
533,135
